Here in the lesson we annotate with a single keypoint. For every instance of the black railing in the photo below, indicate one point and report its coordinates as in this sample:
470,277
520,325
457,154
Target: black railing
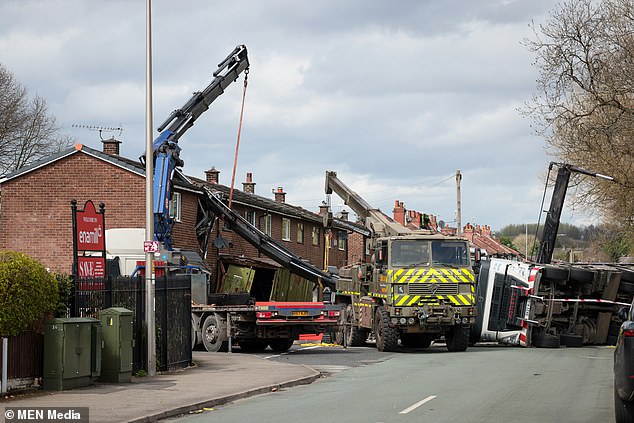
172,314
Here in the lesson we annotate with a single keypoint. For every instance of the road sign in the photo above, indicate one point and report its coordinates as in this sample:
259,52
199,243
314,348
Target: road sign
150,246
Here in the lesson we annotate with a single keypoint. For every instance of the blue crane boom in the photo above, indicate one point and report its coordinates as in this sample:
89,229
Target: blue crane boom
166,151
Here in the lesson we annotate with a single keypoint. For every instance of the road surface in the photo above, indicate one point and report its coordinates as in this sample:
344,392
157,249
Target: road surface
488,383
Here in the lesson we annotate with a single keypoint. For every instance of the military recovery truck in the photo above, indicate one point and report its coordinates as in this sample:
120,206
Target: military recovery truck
418,286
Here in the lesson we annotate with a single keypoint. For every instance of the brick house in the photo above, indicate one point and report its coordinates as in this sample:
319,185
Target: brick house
35,210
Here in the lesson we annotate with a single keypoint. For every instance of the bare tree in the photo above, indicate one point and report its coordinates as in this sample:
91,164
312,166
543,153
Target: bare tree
584,105
28,132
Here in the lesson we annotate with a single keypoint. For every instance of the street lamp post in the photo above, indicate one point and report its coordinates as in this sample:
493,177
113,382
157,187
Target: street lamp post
149,199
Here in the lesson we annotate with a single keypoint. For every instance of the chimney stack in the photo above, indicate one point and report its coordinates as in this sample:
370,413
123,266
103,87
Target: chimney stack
249,185
111,146
212,175
344,215
323,209
280,195
399,212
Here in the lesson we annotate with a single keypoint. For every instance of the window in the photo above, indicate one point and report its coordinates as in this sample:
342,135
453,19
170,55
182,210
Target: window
175,206
249,216
315,235
410,253
341,240
300,232
267,224
286,229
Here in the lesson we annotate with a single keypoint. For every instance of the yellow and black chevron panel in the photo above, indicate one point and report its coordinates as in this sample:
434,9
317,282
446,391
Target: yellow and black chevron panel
412,300
430,275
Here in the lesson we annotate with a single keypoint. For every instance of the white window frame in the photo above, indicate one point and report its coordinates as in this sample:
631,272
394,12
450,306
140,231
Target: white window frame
341,240
175,206
267,227
286,229
249,216
300,232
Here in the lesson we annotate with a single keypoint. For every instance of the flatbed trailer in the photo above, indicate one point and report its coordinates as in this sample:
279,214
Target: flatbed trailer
263,323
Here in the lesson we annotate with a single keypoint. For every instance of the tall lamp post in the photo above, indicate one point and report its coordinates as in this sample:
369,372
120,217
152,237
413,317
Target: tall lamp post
149,198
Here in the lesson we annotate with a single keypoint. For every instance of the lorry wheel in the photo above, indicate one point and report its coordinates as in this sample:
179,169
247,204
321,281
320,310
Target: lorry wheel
546,341
386,336
281,345
457,338
355,337
212,339
571,340
416,340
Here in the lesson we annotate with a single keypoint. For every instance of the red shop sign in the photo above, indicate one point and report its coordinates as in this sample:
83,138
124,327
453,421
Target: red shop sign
90,230
91,267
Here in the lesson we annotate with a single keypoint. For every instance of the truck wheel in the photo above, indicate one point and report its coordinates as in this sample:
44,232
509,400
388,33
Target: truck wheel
416,340
281,345
546,341
386,336
355,337
252,345
571,340
457,338
212,339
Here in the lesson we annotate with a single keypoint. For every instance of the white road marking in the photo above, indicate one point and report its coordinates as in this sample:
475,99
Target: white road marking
418,404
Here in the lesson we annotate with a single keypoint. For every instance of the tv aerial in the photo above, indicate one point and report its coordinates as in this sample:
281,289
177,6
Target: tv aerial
101,129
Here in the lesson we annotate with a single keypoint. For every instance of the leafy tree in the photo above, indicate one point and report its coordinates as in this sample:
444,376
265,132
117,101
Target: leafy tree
584,105
28,132
27,292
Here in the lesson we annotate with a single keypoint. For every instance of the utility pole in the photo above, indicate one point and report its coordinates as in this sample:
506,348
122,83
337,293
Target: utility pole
149,199
458,206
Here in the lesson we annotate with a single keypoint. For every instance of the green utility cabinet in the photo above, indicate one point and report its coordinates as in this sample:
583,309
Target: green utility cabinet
70,360
117,333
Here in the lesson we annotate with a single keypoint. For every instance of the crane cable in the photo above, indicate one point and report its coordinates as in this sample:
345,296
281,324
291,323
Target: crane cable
235,159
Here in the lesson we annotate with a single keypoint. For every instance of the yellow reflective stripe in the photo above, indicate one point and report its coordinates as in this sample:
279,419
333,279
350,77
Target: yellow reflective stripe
414,300
449,275
400,300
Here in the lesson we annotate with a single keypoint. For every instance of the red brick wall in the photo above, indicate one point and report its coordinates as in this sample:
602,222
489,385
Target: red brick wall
356,248
36,215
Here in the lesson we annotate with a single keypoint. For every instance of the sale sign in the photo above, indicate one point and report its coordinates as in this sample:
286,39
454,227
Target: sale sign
90,229
91,267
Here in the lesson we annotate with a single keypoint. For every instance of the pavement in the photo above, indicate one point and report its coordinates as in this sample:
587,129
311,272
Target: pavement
213,380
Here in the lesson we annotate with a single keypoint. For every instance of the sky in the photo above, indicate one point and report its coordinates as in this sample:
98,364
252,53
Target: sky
395,96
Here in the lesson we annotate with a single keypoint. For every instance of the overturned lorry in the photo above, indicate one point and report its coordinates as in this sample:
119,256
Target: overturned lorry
529,304
547,305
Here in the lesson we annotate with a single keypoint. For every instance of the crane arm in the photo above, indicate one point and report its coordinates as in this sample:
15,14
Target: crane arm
374,219
551,224
166,152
